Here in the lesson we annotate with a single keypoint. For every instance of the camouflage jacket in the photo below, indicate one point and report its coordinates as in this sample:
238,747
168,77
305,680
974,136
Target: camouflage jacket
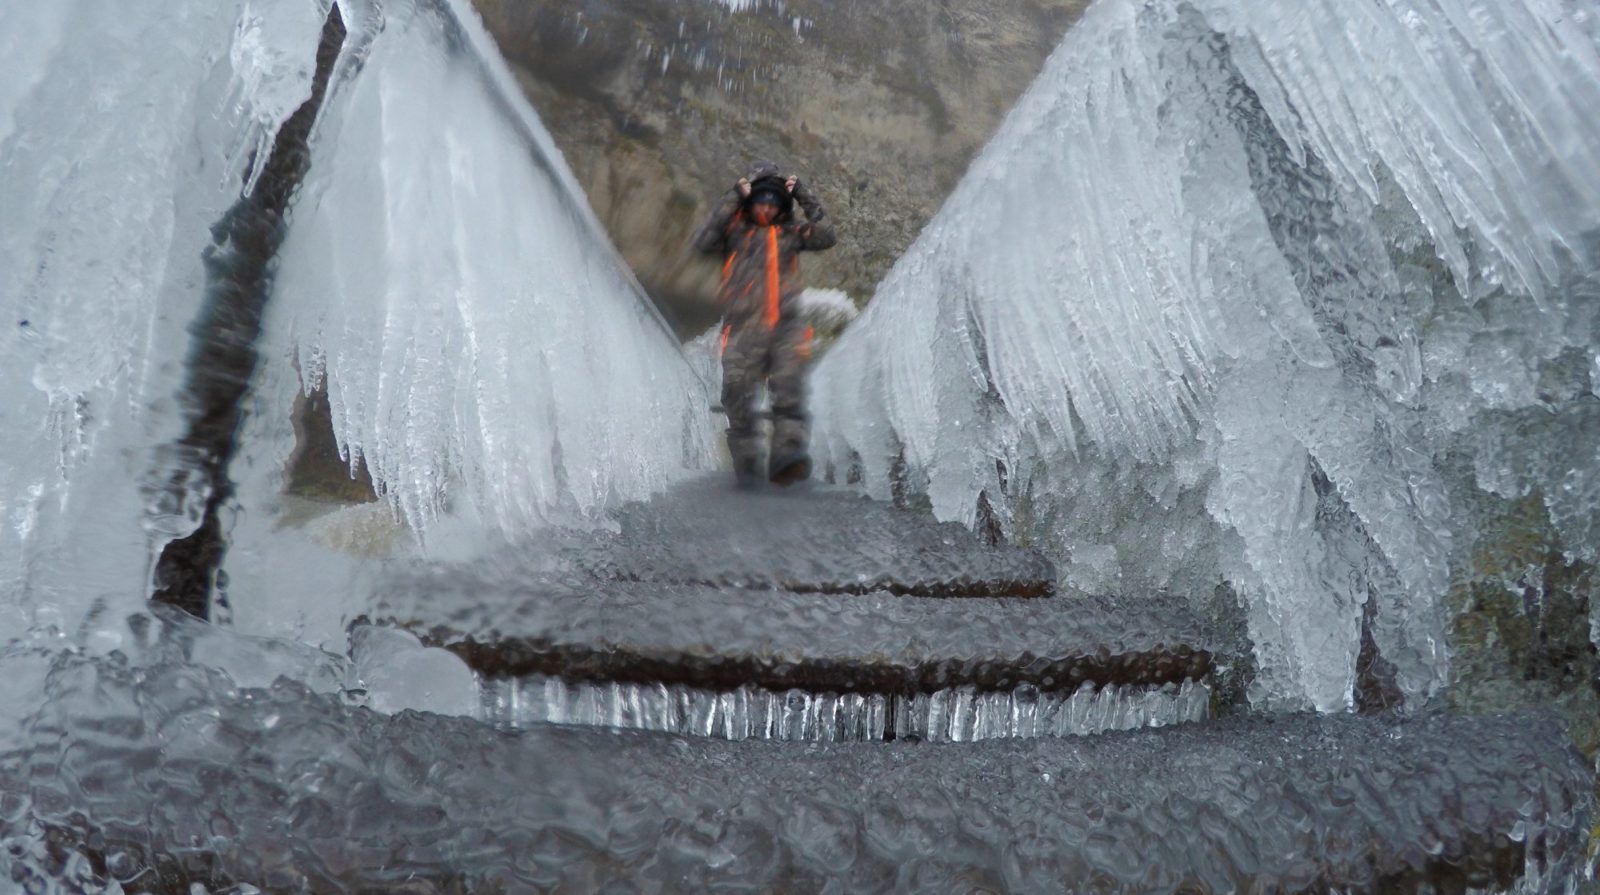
761,265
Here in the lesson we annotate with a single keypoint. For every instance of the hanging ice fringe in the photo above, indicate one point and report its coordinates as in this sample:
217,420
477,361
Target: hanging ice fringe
1277,296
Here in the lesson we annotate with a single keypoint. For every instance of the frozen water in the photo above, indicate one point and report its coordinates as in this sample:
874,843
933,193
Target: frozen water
827,308
397,672
30,33
483,346
269,51
707,607
491,362
108,206
962,714
1226,287
820,539
724,636
119,770
492,367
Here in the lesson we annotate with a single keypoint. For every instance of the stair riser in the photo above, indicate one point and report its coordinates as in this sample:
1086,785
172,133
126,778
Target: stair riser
861,674
950,715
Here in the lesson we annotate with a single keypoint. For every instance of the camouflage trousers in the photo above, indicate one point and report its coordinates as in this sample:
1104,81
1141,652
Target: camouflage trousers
752,353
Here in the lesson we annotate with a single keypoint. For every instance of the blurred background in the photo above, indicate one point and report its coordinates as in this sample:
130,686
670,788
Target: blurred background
659,105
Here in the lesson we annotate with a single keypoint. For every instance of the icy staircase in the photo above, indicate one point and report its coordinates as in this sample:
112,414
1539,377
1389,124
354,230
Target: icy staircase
696,617
289,791
822,616
810,615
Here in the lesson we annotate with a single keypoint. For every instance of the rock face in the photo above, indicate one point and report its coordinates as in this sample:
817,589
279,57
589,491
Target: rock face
659,104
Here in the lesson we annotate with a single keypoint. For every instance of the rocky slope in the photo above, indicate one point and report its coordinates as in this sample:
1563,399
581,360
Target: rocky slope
659,104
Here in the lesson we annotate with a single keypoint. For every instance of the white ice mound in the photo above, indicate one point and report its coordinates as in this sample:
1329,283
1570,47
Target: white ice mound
1274,295
484,346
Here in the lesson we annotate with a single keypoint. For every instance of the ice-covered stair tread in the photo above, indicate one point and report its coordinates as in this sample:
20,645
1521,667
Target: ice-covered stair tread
1301,803
505,623
812,539
709,587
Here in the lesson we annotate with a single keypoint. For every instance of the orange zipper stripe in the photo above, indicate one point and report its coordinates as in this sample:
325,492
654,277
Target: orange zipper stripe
772,277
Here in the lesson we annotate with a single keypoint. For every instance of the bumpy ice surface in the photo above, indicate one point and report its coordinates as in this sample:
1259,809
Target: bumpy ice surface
526,623
818,540
114,765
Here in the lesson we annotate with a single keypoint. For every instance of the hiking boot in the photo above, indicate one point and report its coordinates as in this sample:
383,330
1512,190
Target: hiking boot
789,470
747,474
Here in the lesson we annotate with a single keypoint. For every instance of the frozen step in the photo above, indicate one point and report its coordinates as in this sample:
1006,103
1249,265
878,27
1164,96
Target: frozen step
506,623
812,539
290,791
716,611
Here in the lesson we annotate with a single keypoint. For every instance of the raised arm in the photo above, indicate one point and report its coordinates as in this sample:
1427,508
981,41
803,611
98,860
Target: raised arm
712,237
816,233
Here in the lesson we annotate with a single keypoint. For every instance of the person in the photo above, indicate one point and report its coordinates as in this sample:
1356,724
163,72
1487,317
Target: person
764,337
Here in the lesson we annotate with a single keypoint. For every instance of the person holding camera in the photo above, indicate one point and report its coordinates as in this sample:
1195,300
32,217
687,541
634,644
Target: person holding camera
756,232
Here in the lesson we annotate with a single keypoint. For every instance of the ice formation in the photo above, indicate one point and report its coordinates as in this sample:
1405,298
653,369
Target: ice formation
1278,296
146,772
484,346
1255,241
955,715
107,207
489,358
828,308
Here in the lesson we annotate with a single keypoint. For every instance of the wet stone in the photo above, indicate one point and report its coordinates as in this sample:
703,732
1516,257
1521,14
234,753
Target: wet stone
300,792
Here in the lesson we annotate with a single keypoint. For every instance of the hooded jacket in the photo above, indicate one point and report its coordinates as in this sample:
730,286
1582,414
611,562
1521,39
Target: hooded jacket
761,265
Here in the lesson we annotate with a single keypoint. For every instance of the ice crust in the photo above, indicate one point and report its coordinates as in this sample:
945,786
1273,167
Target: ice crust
819,540
515,621
1226,288
123,765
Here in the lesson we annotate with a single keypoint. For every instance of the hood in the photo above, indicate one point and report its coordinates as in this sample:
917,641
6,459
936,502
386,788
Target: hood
764,175
761,168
